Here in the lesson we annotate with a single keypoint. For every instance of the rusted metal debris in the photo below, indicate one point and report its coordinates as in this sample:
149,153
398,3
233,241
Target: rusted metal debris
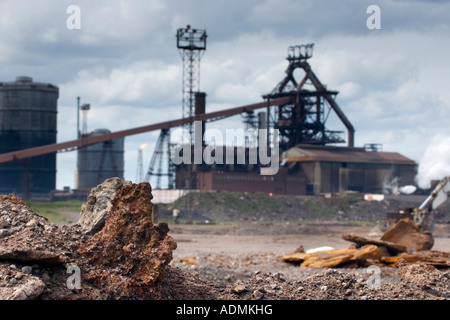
348,258
402,242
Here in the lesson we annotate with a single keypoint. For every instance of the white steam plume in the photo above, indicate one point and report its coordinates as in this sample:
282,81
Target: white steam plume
435,162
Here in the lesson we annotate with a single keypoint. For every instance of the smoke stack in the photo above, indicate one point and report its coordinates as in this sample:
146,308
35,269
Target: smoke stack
200,107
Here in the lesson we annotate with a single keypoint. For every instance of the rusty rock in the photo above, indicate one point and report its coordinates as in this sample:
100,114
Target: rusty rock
126,259
130,252
239,288
94,210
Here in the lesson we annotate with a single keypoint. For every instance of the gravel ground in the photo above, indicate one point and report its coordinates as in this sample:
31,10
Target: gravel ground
243,262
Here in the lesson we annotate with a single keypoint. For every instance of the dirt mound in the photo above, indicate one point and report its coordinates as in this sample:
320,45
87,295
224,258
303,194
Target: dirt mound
26,237
238,206
124,260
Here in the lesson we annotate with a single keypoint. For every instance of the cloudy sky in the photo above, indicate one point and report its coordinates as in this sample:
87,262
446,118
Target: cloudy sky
393,82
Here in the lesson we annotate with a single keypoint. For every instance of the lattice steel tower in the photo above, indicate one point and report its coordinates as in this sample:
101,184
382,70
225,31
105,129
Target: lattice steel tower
191,44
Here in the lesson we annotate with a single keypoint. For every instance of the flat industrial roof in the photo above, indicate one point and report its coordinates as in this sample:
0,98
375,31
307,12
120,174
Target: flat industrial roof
343,154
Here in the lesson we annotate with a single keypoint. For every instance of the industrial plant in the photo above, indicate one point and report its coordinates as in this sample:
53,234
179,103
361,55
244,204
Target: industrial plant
313,159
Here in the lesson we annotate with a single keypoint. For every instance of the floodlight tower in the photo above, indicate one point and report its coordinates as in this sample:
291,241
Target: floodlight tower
191,44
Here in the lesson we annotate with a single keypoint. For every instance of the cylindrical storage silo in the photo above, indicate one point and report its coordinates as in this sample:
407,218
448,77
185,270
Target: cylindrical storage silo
28,118
100,161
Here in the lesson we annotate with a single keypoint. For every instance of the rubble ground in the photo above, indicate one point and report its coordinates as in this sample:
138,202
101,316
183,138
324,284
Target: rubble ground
115,251
236,260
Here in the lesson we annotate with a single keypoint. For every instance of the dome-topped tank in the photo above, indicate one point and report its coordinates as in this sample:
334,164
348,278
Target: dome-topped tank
28,118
